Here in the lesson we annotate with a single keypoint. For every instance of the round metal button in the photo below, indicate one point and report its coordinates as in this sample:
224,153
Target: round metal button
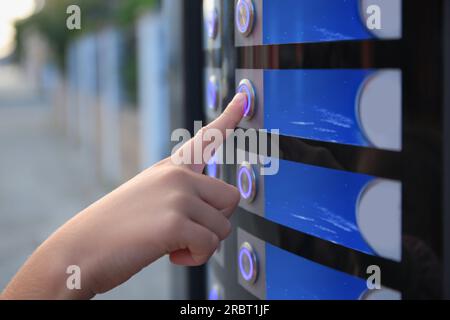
213,170
248,263
245,17
216,293
246,181
245,86
212,23
213,167
212,93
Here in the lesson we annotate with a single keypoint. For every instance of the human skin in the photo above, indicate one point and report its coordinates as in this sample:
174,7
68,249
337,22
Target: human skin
167,209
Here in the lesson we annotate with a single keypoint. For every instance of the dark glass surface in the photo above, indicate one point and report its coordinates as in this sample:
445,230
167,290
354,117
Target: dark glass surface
419,166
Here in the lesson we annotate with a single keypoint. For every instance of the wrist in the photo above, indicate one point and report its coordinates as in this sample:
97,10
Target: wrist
55,271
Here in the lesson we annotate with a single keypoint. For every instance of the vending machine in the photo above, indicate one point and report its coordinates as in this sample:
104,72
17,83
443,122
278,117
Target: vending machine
353,97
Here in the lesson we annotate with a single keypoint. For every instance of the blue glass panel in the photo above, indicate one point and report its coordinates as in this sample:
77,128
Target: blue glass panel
317,201
292,277
299,21
315,104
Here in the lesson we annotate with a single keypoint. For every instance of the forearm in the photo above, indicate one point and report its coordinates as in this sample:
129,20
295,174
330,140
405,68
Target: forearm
44,275
167,209
89,244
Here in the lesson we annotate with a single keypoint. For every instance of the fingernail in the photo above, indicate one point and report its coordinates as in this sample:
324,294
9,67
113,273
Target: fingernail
240,98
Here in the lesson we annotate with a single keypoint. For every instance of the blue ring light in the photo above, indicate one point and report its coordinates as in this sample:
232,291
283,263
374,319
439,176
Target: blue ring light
212,167
245,86
245,17
248,264
246,182
215,293
212,23
212,93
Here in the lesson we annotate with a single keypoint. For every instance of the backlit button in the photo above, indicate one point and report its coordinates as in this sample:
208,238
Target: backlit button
212,93
216,293
248,263
212,170
245,86
213,167
246,182
245,17
212,23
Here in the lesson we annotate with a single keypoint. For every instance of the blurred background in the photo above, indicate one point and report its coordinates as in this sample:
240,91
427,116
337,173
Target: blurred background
82,111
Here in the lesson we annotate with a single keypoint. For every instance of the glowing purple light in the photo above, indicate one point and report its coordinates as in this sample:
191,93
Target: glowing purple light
242,16
212,167
212,170
246,171
213,294
247,108
247,275
212,21
212,94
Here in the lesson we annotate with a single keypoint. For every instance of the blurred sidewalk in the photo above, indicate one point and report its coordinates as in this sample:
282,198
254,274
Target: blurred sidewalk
43,183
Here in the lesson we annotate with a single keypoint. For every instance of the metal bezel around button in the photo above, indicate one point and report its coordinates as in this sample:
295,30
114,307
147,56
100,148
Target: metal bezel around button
246,86
251,275
245,17
248,192
216,292
212,93
212,23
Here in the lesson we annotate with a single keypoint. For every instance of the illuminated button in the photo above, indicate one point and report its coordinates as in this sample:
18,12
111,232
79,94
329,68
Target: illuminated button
212,23
245,16
212,93
248,263
246,182
212,167
216,293
245,86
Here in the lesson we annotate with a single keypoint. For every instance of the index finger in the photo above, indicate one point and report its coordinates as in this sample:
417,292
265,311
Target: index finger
229,119
231,116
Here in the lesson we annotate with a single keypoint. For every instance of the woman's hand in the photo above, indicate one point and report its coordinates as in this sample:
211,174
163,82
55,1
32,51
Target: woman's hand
167,209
